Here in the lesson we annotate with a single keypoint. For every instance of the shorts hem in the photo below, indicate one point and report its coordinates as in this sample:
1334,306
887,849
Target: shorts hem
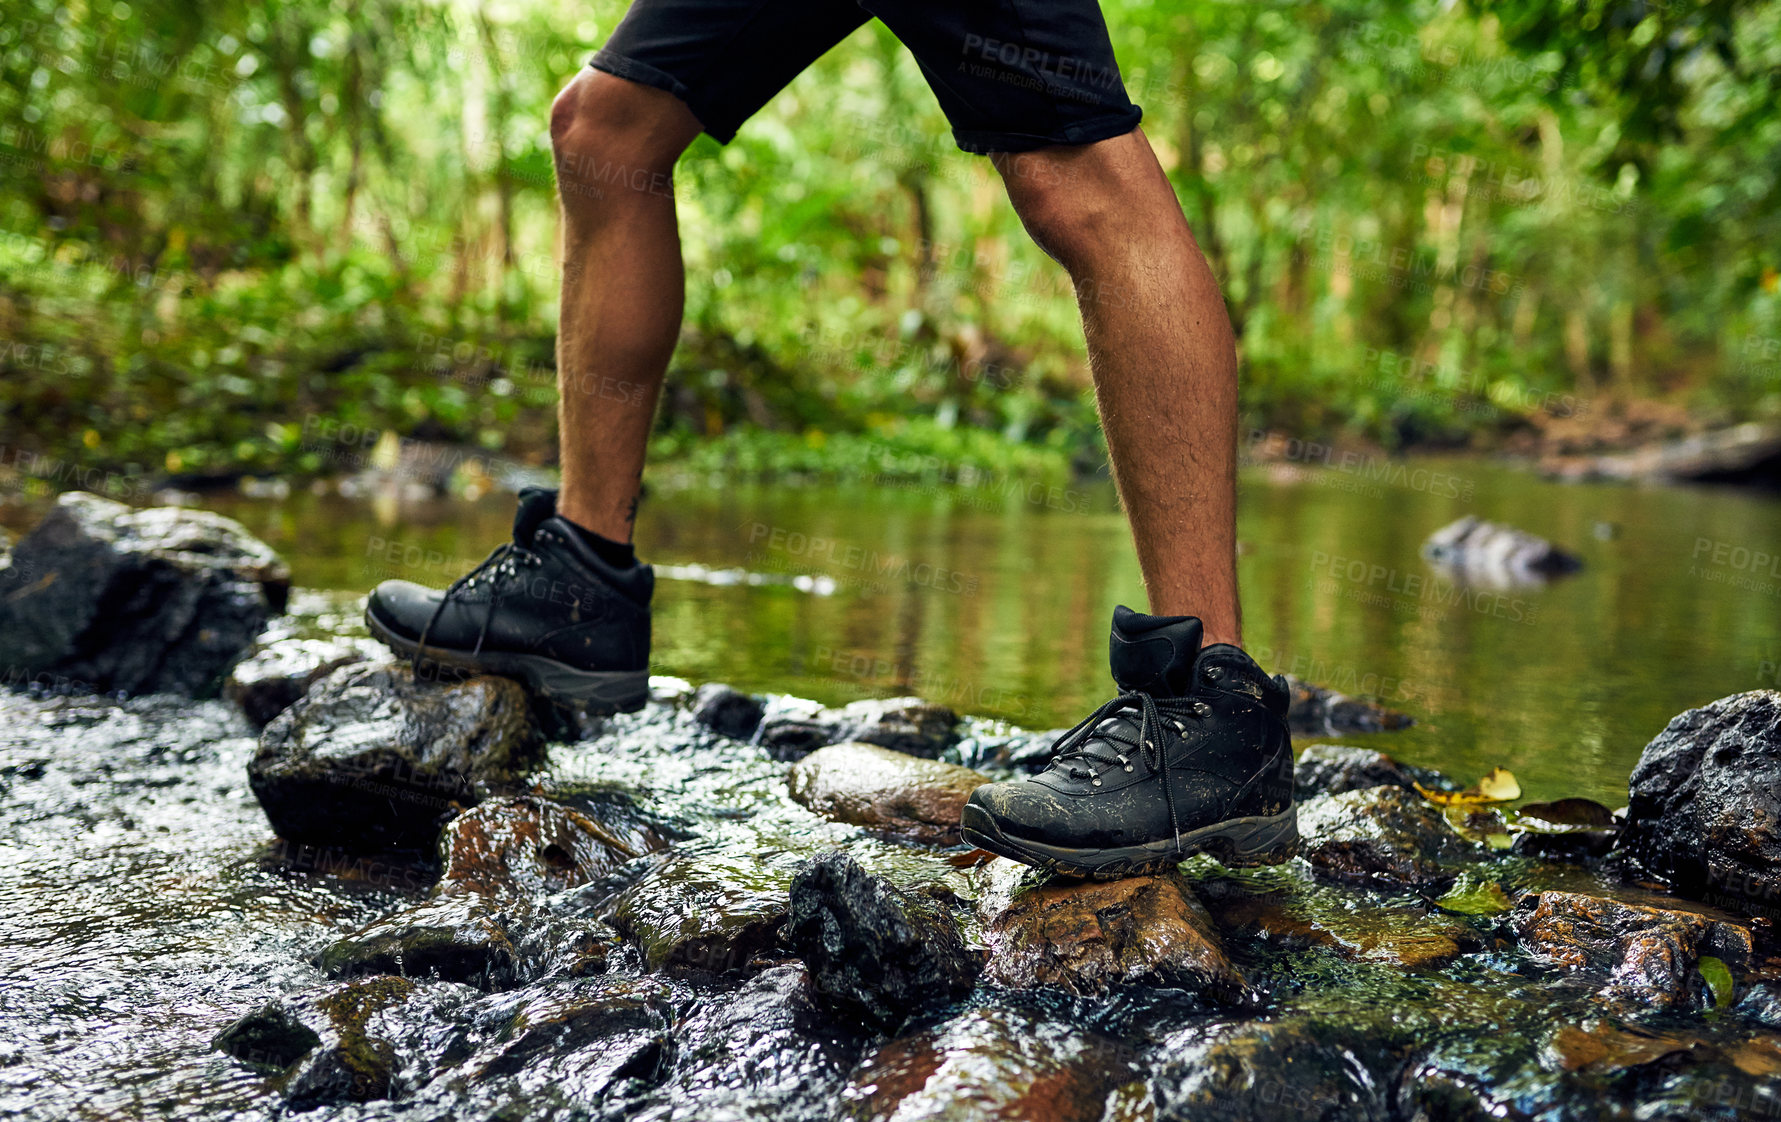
620,66
984,142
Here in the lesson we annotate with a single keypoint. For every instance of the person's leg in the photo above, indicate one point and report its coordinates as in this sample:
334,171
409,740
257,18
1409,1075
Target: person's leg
623,286
1163,356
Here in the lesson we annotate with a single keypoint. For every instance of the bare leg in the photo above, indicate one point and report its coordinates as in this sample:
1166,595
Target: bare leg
623,286
1163,356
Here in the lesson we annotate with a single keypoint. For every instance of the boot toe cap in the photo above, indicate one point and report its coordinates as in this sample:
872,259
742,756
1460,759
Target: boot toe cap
402,607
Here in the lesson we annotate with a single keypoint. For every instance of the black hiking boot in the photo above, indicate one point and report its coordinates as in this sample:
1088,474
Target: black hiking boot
542,608
1192,757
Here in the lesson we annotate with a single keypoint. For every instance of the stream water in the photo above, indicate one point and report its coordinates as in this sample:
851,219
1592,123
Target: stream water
998,603
143,903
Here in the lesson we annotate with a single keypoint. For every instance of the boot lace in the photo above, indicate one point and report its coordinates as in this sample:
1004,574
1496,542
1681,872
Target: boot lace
496,571
1088,751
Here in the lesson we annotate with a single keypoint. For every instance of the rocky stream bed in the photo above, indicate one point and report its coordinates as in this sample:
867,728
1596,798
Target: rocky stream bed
339,892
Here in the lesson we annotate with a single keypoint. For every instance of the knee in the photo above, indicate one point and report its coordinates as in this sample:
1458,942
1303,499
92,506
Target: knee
1066,211
603,119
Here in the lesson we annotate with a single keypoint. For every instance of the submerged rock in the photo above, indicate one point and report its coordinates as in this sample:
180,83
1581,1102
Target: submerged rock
278,674
903,724
1497,556
702,910
1384,837
162,600
1704,803
575,1046
766,1050
993,1062
328,1048
1314,710
371,757
1084,937
1647,954
873,950
523,847
1331,769
1332,1067
885,790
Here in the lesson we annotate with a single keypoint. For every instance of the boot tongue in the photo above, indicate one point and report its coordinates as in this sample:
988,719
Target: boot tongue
1154,654
536,504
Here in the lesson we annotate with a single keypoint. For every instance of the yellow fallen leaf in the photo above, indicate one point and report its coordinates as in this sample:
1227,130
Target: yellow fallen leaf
1497,787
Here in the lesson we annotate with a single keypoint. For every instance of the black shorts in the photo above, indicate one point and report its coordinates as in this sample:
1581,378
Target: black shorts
1011,75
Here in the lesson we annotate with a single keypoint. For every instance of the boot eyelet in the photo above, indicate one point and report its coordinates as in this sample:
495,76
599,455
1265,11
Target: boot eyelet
1128,767
1097,779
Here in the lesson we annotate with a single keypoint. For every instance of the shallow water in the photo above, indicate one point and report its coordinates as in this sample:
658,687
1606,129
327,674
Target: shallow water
144,904
998,603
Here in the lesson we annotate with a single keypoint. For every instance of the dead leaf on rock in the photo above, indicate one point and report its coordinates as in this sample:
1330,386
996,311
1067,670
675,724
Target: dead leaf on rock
1497,787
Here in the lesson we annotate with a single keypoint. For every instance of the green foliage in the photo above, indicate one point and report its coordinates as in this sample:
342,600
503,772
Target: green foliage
221,223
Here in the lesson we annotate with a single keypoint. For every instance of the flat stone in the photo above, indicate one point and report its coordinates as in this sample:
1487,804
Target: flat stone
1086,936
1704,804
161,600
1645,955
875,951
884,790
1384,837
372,758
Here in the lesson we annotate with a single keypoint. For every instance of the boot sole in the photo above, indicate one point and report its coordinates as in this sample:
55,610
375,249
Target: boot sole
1236,843
599,693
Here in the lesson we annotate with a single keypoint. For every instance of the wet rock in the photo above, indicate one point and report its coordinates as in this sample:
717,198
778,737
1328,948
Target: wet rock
524,846
1331,769
877,952
1297,1066
272,679
1762,1004
1314,710
270,1039
1704,803
1566,830
372,758
474,940
702,910
885,790
766,1050
1404,937
992,1062
1647,954
727,711
575,1046
144,601
1086,936
1474,551
328,1048
1006,752
1384,837
904,724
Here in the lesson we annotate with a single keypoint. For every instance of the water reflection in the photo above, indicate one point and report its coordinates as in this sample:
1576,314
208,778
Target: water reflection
1001,607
